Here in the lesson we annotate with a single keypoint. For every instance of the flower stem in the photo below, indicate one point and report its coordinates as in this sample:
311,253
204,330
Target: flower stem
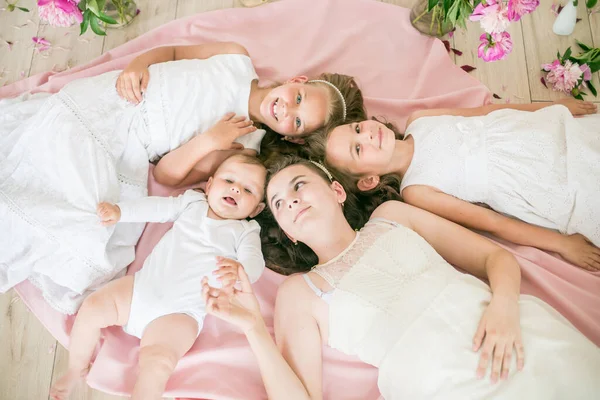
420,16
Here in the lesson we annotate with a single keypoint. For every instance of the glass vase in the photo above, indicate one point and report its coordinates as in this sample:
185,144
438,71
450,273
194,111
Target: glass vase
430,23
123,11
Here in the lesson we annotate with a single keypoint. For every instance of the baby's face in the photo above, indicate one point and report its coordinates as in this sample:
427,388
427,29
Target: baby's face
236,190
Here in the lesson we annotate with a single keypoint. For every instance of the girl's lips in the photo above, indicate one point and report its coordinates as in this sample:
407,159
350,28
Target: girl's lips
272,108
301,213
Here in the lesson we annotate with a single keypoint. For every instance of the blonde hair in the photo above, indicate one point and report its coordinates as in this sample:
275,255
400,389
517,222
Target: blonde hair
273,145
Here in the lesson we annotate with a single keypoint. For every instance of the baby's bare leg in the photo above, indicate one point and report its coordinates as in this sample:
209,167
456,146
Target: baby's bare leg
108,306
164,342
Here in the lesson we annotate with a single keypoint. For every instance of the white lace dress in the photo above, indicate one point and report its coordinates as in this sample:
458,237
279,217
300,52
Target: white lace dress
401,307
542,167
60,155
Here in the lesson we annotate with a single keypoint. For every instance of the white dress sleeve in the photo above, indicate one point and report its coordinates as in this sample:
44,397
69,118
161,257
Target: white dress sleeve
249,252
252,140
158,208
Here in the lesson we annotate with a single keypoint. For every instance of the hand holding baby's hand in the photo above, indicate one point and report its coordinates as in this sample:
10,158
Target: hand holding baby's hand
578,107
227,272
108,213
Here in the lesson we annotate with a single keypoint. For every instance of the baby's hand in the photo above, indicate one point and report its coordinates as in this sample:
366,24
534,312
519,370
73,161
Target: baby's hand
109,213
227,273
578,107
228,129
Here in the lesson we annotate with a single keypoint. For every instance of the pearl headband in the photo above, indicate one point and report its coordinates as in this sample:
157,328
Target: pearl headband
337,91
322,168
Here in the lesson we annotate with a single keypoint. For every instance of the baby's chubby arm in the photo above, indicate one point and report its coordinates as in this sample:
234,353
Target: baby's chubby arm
147,209
249,257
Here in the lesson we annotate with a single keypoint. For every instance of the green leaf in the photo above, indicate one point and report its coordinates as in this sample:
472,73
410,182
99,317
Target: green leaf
431,4
453,13
95,25
464,12
566,55
86,21
592,89
578,96
591,3
594,66
81,5
92,5
583,46
23,9
447,4
105,18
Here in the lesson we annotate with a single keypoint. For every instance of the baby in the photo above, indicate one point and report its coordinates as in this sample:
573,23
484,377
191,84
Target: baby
162,303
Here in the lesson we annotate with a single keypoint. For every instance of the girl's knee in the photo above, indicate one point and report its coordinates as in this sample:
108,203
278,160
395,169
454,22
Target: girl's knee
158,357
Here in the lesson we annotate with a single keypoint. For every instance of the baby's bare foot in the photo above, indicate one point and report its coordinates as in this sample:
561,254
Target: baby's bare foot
65,384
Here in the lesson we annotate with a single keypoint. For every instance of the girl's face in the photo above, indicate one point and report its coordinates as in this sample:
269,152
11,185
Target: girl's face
302,202
295,108
362,149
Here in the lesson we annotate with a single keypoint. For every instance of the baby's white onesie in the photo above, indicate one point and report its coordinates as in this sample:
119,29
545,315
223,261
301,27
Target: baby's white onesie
170,280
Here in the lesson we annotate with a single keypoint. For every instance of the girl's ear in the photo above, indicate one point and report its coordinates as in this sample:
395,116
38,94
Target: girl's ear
339,191
289,237
208,185
368,183
259,208
298,79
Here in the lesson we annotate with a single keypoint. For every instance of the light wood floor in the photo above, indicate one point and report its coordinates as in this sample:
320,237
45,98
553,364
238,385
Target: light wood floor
30,358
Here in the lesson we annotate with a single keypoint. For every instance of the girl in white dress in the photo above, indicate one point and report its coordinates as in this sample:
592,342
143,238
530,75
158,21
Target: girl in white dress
62,154
535,167
389,295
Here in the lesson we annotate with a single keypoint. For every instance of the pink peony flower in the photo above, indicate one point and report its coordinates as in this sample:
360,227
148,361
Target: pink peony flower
495,46
587,72
550,67
491,15
60,12
518,8
563,78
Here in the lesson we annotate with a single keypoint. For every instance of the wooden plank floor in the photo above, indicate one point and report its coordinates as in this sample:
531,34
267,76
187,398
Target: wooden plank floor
30,359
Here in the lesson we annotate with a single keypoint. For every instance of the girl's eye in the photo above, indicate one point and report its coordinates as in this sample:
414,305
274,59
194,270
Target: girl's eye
298,122
248,191
228,181
298,98
358,149
277,204
298,185
357,128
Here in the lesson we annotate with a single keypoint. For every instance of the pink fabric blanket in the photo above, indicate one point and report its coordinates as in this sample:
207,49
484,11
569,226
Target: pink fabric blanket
399,71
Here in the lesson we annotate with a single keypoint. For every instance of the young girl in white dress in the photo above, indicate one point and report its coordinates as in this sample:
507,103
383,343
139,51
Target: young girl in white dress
534,167
62,154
